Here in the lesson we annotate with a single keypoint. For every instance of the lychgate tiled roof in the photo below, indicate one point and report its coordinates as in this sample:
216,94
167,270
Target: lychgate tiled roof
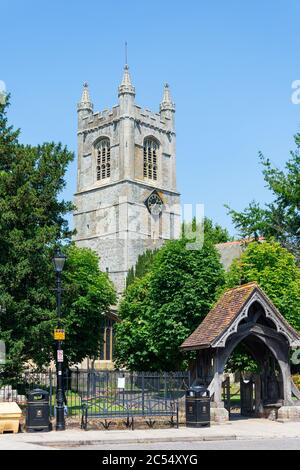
223,314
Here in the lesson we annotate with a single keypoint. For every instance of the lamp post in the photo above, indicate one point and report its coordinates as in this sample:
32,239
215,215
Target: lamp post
59,261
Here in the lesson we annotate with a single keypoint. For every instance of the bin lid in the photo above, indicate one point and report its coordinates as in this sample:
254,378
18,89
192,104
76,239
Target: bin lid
36,393
198,390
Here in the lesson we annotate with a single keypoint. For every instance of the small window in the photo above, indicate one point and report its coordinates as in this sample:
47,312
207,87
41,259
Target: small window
150,159
103,159
106,339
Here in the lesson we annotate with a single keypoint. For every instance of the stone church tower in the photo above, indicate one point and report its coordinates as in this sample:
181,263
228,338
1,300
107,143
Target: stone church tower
126,199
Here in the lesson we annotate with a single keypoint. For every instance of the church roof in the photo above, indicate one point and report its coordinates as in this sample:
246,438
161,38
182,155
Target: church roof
225,312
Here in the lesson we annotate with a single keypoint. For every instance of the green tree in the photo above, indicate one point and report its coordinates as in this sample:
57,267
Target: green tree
242,361
142,266
88,296
279,219
130,276
32,221
275,270
213,233
161,309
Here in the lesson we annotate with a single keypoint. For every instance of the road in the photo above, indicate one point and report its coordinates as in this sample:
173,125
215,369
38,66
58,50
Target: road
259,444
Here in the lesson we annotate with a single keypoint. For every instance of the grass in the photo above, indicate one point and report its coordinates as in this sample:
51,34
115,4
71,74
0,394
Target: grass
235,398
74,404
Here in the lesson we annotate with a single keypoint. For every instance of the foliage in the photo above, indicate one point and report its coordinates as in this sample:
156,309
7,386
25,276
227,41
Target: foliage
296,380
32,221
162,308
130,276
214,233
274,269
142,267
88,296
242,361
281,218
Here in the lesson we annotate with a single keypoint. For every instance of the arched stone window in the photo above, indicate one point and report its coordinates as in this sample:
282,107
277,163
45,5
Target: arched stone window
107,339
103,159
151,147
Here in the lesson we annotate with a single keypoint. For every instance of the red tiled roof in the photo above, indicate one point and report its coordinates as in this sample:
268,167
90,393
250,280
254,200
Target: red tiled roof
220,317
243,241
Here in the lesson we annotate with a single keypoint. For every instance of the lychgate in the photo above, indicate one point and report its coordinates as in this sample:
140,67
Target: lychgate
246,315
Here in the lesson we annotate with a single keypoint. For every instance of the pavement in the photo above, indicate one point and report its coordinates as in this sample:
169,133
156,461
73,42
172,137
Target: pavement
241,429
191,447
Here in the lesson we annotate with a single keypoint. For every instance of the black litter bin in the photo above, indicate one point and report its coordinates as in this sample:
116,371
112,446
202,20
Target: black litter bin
197,407
37,413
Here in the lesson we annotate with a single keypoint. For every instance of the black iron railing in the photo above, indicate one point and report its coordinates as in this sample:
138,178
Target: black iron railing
109,391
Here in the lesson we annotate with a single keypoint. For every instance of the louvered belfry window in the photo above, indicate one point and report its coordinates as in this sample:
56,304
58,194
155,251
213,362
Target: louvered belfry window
103,159
150,159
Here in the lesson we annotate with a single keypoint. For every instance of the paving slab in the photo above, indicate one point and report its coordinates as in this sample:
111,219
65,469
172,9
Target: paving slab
234,430
9,444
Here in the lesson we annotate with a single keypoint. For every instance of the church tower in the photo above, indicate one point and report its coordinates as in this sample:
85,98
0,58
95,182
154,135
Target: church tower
126,199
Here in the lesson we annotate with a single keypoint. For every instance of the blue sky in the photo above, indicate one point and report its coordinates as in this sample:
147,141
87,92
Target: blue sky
230,66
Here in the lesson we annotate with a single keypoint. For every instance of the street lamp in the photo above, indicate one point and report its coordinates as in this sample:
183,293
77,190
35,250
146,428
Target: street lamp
59,261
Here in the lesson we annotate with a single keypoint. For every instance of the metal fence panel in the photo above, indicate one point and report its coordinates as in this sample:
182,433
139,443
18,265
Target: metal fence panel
110,391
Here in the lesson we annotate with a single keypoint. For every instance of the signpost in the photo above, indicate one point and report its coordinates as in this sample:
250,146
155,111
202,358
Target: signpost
59,336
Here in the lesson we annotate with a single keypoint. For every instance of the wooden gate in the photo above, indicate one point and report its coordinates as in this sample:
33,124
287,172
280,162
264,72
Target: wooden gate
247,388
226,393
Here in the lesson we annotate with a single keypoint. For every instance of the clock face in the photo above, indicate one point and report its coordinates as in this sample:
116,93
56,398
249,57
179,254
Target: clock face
154,204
